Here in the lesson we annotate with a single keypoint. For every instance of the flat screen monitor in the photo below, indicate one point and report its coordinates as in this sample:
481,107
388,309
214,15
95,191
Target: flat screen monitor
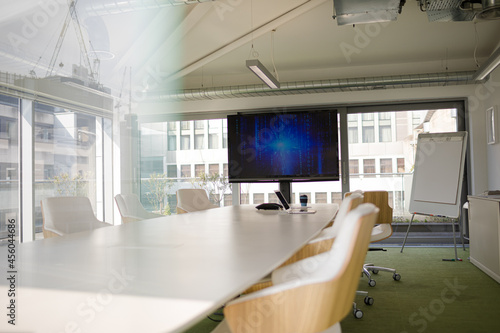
292,146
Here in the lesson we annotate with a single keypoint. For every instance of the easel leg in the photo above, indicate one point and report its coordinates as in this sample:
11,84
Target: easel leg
407,231
455,241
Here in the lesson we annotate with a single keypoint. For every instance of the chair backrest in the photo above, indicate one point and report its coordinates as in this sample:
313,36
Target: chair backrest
66,215
131,209
192,200
381,200
349,203
320,294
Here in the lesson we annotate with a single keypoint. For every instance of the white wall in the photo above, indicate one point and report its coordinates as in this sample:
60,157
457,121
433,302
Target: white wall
493,151
484,159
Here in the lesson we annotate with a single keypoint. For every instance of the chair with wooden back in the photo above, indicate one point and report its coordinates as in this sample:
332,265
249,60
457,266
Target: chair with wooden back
67,215
381,231
192,200
131,209
310,295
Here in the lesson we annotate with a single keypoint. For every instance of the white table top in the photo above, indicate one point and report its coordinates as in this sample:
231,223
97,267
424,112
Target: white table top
158,275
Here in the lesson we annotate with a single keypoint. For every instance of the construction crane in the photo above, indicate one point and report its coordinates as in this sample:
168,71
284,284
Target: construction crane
72,16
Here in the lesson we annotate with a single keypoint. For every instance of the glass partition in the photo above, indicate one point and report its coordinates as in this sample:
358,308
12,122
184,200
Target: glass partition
9,162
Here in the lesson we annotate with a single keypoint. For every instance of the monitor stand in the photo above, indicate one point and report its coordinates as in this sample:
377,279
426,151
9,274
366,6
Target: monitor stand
286,190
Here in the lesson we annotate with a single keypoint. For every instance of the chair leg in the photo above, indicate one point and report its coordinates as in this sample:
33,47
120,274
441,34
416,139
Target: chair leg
375,269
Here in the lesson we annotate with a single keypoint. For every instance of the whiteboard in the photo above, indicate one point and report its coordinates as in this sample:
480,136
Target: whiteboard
438,174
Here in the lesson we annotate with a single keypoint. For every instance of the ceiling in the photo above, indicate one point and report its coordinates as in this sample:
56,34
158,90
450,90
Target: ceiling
156,46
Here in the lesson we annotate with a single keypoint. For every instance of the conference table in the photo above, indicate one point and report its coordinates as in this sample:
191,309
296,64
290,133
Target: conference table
158,275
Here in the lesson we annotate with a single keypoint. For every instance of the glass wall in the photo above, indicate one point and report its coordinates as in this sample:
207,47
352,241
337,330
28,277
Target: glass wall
183,154
382,150
9,162
67,160
66,156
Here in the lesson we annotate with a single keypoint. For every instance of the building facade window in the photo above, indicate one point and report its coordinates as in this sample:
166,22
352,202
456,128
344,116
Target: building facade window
199,169
213,141
185,142
368,127
186,171
352,123
368,166
386,165
198,141
172,171
213,169
353,167
172,142
384,126
401,165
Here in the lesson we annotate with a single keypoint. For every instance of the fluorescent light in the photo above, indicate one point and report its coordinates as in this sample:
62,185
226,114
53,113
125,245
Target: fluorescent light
488,66
263,74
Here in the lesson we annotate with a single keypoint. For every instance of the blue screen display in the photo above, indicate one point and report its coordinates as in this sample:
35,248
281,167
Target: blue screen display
283,146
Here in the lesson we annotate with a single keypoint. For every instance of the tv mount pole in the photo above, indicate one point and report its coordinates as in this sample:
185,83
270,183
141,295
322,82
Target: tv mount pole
286,190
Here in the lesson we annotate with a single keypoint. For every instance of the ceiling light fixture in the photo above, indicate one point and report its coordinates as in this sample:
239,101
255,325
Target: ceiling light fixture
488,66
261,71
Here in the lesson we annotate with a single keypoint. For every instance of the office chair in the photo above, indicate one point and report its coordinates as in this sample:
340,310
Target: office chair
192,200
310,295
67,215
131,209
381,231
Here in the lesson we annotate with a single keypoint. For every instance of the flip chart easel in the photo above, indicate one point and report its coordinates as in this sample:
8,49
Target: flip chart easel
437,178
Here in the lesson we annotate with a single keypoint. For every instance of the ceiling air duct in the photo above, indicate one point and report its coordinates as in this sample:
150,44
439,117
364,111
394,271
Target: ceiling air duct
460,10
491,10
366,11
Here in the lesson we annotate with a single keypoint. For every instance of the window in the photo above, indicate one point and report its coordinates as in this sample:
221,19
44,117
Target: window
149,165
401,165
199,124
258,198
172,171
172,125
199,169
368,166
185,125
225,170
172,142
352,123
384,126
213,169
9,162
213,141
228,199
244,198
224,133
198,141
337,198
185,142
186,171
386,165
353,167
321,197
224,140
368,128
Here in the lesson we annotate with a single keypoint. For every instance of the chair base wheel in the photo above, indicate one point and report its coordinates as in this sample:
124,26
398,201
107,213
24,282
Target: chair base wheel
358,314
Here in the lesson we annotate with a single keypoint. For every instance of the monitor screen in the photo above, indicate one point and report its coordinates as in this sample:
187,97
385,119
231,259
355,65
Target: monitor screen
292,146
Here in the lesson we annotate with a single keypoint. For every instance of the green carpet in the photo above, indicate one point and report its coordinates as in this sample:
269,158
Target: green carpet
432,296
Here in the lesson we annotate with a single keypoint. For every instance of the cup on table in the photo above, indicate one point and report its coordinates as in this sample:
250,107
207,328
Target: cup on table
303,202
